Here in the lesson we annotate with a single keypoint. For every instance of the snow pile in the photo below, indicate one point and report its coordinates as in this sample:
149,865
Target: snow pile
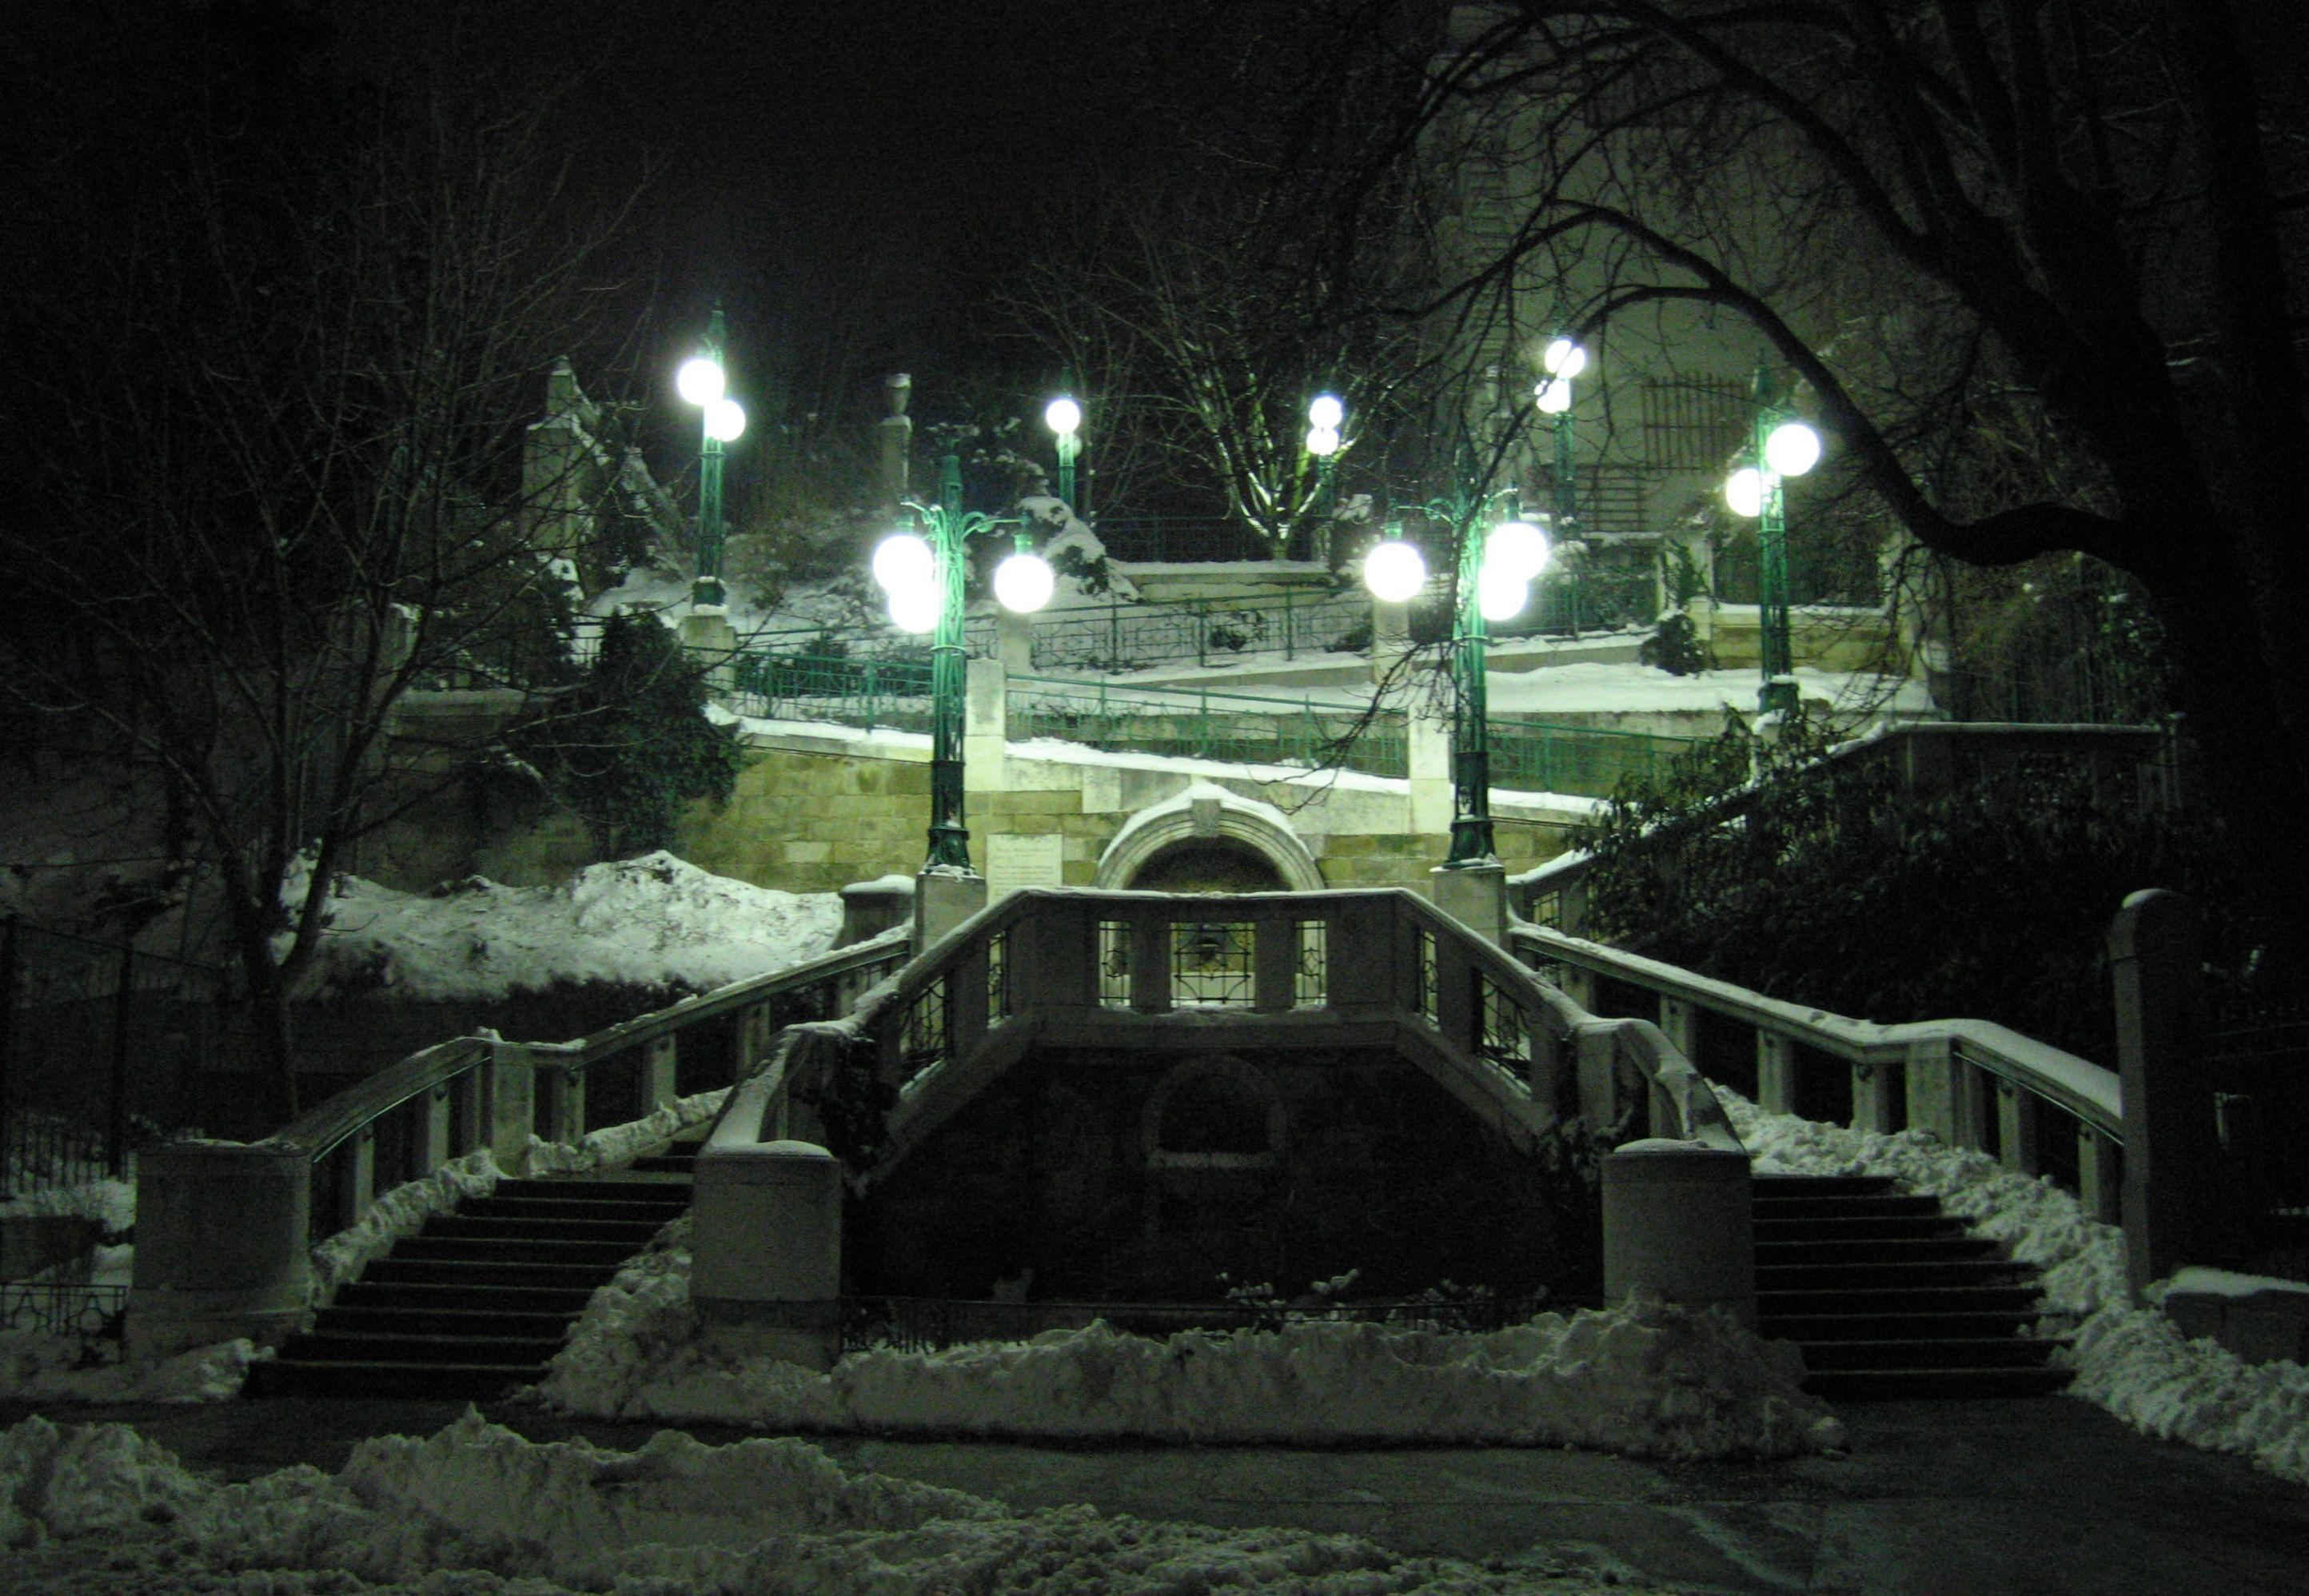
476,1508
2133,1361
1648,1379
655,921
1593,686
111,1203
43,1368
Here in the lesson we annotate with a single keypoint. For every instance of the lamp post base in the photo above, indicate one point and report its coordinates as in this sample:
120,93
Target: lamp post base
944,897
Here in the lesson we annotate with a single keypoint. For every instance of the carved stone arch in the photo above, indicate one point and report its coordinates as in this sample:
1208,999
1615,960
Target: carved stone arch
1209,812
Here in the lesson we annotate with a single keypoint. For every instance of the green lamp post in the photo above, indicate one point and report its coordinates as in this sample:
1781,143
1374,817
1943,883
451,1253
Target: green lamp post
701,382
925,578
1779,447
1497,566
1562,360
1064,417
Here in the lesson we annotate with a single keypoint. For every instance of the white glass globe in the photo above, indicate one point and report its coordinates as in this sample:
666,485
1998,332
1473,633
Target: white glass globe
1792,449
903,561
1500,596
1022,582
1062,416
1322,442
915,608
1563,358
1744,490
700,380
1395,571
1552,397
1517,550
1325,412
725,421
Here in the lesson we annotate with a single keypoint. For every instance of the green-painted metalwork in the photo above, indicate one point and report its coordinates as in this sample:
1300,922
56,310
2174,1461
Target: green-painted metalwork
949,838
1535,757
1193,723
1776,655
708,588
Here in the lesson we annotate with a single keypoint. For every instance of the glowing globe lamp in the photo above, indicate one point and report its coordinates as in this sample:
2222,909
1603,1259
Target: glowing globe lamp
1744,490
700,380
1395,571
1022,582
1792,449
1517,550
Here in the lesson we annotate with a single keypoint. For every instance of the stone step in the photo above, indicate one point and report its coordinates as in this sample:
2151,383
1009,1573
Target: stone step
1923,1384
1888,1250
513,1249
343,1347
472,1381
477,1293
630,1234
1931,1353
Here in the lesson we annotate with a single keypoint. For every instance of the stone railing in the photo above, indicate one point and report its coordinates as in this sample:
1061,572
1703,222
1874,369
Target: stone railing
1969,1082
1076,968
225,1229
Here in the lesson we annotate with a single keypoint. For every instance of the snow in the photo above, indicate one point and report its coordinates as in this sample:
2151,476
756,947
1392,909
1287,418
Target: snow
475,1508
2131,1360
1648,1379
2227,1282
653,921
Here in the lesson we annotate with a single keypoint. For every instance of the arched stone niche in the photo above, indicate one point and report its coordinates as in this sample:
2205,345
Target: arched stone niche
1205,829
1212,1135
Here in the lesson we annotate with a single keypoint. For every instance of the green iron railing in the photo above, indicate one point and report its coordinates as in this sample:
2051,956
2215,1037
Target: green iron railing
1194,722
1533,757
853,692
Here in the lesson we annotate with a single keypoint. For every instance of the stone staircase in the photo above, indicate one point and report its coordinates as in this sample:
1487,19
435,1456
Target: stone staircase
1891,1298
479,1299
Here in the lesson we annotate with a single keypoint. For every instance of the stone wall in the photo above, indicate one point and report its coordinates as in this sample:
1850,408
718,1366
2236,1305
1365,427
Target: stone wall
1143,1176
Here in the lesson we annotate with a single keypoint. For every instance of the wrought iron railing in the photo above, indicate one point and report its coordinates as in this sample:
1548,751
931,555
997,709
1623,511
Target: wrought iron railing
1197,723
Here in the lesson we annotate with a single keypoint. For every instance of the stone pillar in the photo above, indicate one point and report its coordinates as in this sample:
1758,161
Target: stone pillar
1475,896
1391,636
985,728
869,908
767,1243
897,443
1014,641
1930,1073
1429,736
1678,1220
512,1105
1776,1073
1877,1097
711,641
2153,950
944,899
222,1245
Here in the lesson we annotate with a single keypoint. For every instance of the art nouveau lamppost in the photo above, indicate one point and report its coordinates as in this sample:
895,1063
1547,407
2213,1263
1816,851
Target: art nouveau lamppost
1779,447
924,577
1064,417
1562,360
702,383
1500,554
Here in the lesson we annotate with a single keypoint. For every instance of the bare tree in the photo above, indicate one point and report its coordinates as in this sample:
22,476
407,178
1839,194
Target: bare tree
1967,226
275,383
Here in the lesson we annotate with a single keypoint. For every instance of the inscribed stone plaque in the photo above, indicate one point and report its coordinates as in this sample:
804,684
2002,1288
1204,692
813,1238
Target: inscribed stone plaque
1014,861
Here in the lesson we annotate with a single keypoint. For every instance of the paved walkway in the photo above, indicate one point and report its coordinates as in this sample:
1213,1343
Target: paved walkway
1936,1499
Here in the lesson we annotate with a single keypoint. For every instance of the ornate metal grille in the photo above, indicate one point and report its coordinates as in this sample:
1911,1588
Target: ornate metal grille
928,1026
1430,984
1211,964
1113,964
1310,976
998,977
1501,1036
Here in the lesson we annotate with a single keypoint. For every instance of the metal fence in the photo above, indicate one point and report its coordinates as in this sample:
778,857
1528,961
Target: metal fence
894,693
1533,757
100,1047
926,1324
1195,722
2253,1055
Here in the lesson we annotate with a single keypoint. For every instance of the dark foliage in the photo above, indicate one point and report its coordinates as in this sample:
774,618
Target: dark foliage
630,743
1828,883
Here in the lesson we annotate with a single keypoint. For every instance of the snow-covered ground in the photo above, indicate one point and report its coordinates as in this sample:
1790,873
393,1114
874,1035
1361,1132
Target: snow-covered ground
2131,1361
653,921
475,1510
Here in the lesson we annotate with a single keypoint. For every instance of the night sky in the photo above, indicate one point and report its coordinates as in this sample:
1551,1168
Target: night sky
854,169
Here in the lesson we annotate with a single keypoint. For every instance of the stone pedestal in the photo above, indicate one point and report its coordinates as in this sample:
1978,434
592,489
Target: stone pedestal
767,1243
1391,636
221,1250
1475,896
944,899
869,908
1678,1221
711,641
